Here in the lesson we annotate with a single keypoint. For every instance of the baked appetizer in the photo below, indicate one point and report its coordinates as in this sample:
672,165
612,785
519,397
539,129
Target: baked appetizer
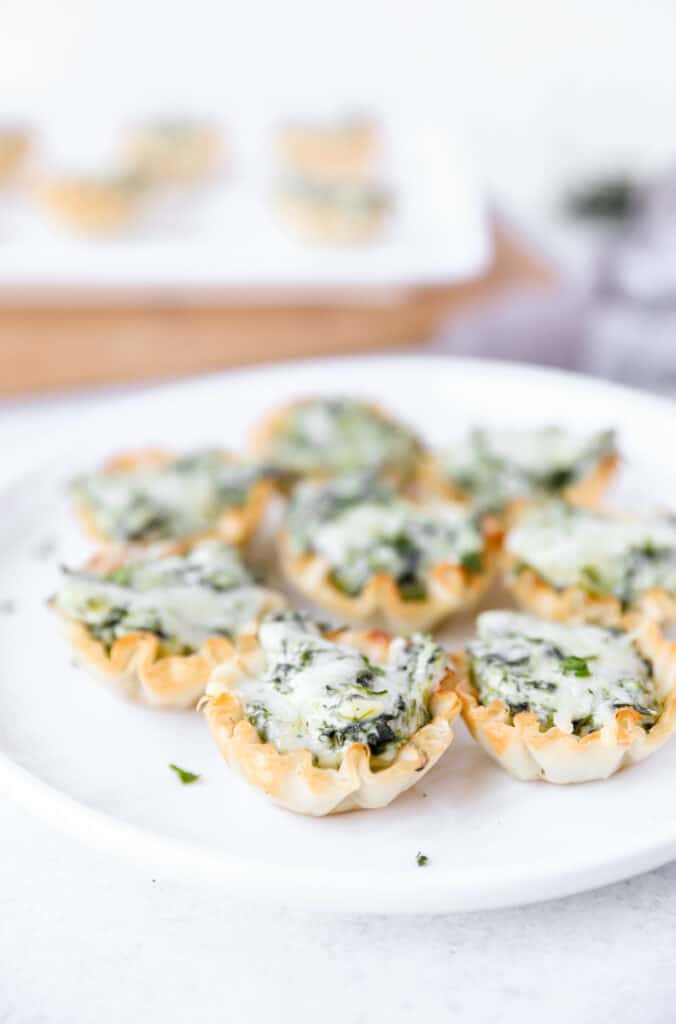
147,496
328,721
574,564
320,437
15,145
101,204
332,212
154,624
566,703
495,468
341,149
356,548
174,150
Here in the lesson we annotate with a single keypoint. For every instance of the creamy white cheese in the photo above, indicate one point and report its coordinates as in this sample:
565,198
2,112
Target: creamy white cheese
495,466
182,599
623,557
572,677
360,528
181,497
340,435
323,696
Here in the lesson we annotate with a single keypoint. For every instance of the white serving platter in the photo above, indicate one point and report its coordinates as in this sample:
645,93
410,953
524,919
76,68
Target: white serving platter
98,767
224,236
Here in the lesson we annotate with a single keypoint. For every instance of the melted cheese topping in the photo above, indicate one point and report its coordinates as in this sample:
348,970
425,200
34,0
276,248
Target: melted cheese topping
340,435
322,696
602,554
572,677
182,599
184,496
359,527
495,466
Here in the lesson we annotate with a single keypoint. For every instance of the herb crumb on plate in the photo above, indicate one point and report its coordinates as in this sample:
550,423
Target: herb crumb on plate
185,777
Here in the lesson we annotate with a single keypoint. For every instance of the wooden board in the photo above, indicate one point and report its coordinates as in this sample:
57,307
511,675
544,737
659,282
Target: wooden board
51,346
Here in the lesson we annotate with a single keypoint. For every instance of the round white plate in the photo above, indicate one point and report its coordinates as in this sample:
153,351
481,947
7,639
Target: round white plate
99,767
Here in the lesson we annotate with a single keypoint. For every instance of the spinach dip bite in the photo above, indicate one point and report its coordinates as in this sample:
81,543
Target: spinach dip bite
340,148
153,622
149,496
572,564
174,150
95,204
566,703
331,212
324,720
358,549
322,437
496,468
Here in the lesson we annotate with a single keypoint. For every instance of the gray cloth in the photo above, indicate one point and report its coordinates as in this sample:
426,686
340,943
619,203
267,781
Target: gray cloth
618,322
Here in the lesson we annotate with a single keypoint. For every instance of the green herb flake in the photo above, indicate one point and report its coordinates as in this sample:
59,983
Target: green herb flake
472,562
576,666
421,859
185,777
591,580
121,576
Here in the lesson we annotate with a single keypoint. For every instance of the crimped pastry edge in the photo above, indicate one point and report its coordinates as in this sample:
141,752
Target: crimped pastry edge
292,780
236,524
573,604
528,753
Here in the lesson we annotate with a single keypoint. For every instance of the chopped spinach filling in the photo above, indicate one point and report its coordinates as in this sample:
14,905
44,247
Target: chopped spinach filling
573,677
494,467
183,496
361,528
181,599
341,435
317,694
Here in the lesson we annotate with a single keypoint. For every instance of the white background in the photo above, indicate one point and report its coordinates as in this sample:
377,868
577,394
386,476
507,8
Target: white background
545,89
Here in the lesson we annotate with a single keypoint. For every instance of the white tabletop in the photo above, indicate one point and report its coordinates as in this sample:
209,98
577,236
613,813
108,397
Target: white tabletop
84,937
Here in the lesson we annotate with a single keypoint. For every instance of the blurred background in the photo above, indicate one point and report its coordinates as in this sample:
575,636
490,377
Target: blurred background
191,185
